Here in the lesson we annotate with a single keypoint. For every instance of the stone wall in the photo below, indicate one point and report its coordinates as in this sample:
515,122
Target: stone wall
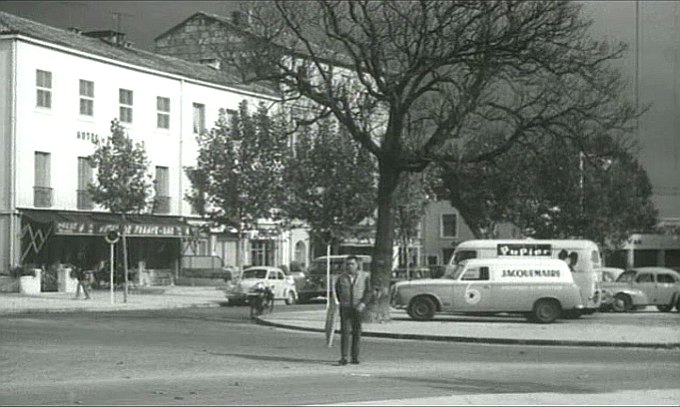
198,38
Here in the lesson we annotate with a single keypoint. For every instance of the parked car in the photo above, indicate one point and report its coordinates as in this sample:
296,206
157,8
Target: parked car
643,286
283,285
314,284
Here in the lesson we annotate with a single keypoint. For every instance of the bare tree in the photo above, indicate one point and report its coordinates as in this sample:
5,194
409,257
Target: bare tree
413,82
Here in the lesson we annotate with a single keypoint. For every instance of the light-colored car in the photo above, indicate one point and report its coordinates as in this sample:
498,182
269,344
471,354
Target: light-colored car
643,286
273,277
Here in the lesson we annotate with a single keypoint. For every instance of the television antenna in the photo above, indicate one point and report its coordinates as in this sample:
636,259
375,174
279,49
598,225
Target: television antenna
119,16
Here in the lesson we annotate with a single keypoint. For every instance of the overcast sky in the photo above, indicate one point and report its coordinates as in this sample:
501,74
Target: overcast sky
658,69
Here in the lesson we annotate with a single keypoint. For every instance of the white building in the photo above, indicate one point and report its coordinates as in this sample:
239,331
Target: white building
61,89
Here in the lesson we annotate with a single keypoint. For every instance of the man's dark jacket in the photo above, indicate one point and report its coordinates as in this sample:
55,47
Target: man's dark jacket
350,295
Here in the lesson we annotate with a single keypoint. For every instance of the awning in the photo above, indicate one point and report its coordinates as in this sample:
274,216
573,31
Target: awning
69,223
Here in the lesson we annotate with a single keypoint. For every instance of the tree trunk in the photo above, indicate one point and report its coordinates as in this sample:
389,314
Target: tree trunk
379,310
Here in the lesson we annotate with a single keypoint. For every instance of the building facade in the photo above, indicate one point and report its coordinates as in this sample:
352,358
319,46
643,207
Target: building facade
59,92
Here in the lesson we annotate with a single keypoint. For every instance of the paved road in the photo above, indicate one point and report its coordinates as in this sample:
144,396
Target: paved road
218,356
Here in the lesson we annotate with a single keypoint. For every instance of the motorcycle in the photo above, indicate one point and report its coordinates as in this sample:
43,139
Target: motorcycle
261,300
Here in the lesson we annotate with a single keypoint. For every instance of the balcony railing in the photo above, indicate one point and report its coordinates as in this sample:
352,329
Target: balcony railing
84,199
161,204
42,197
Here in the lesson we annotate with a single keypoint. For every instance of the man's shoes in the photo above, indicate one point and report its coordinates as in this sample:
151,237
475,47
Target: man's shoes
342,362
355,361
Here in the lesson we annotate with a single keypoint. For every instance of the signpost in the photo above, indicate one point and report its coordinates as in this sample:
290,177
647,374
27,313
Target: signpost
331,302
111,238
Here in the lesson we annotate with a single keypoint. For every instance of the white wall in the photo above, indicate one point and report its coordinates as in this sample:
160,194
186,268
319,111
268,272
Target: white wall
55,130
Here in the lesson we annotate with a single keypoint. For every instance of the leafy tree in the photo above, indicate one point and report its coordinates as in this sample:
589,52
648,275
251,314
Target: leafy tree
557,190
238,175
330,184
415,82
123,184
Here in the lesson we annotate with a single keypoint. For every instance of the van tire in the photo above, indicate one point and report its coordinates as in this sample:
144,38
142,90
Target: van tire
546,311
421,308
622,303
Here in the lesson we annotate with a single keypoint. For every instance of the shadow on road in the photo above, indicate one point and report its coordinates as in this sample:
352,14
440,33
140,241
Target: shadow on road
512,319
276,358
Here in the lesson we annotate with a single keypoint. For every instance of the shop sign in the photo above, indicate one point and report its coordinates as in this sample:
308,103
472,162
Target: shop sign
86,135
524,249
89,228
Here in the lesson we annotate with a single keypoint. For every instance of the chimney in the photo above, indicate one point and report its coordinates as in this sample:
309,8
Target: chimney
241,18
213,63
110,36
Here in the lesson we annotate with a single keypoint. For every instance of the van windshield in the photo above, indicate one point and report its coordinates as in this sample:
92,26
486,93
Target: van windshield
454,273
464,255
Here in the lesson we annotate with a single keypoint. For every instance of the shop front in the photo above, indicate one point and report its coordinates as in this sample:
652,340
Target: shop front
154,243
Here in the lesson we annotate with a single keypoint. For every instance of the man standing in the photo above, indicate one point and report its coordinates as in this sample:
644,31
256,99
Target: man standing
353,291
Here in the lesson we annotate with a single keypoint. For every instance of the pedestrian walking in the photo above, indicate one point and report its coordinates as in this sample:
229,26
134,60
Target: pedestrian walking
84,278
353,292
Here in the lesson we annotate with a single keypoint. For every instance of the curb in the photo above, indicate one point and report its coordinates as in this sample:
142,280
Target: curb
89,309
495,341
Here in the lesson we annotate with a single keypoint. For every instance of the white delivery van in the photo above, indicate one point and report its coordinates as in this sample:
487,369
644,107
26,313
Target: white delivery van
541,289
584,272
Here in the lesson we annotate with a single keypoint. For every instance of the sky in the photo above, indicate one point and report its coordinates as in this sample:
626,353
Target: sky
658,68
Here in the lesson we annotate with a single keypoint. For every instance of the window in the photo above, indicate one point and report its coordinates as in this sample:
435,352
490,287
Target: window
42,192
86,97
644,278
261,253
84,179
665,278
43,83
162,189
464,255
198,204
199,118
163,112
125,101
481,273
449,225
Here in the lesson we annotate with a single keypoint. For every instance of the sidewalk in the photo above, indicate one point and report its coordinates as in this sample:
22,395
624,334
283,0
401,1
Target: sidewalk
596,330
144,299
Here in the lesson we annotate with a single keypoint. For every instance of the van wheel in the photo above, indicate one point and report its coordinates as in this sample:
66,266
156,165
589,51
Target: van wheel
421,309
622,303
290,298
546,311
